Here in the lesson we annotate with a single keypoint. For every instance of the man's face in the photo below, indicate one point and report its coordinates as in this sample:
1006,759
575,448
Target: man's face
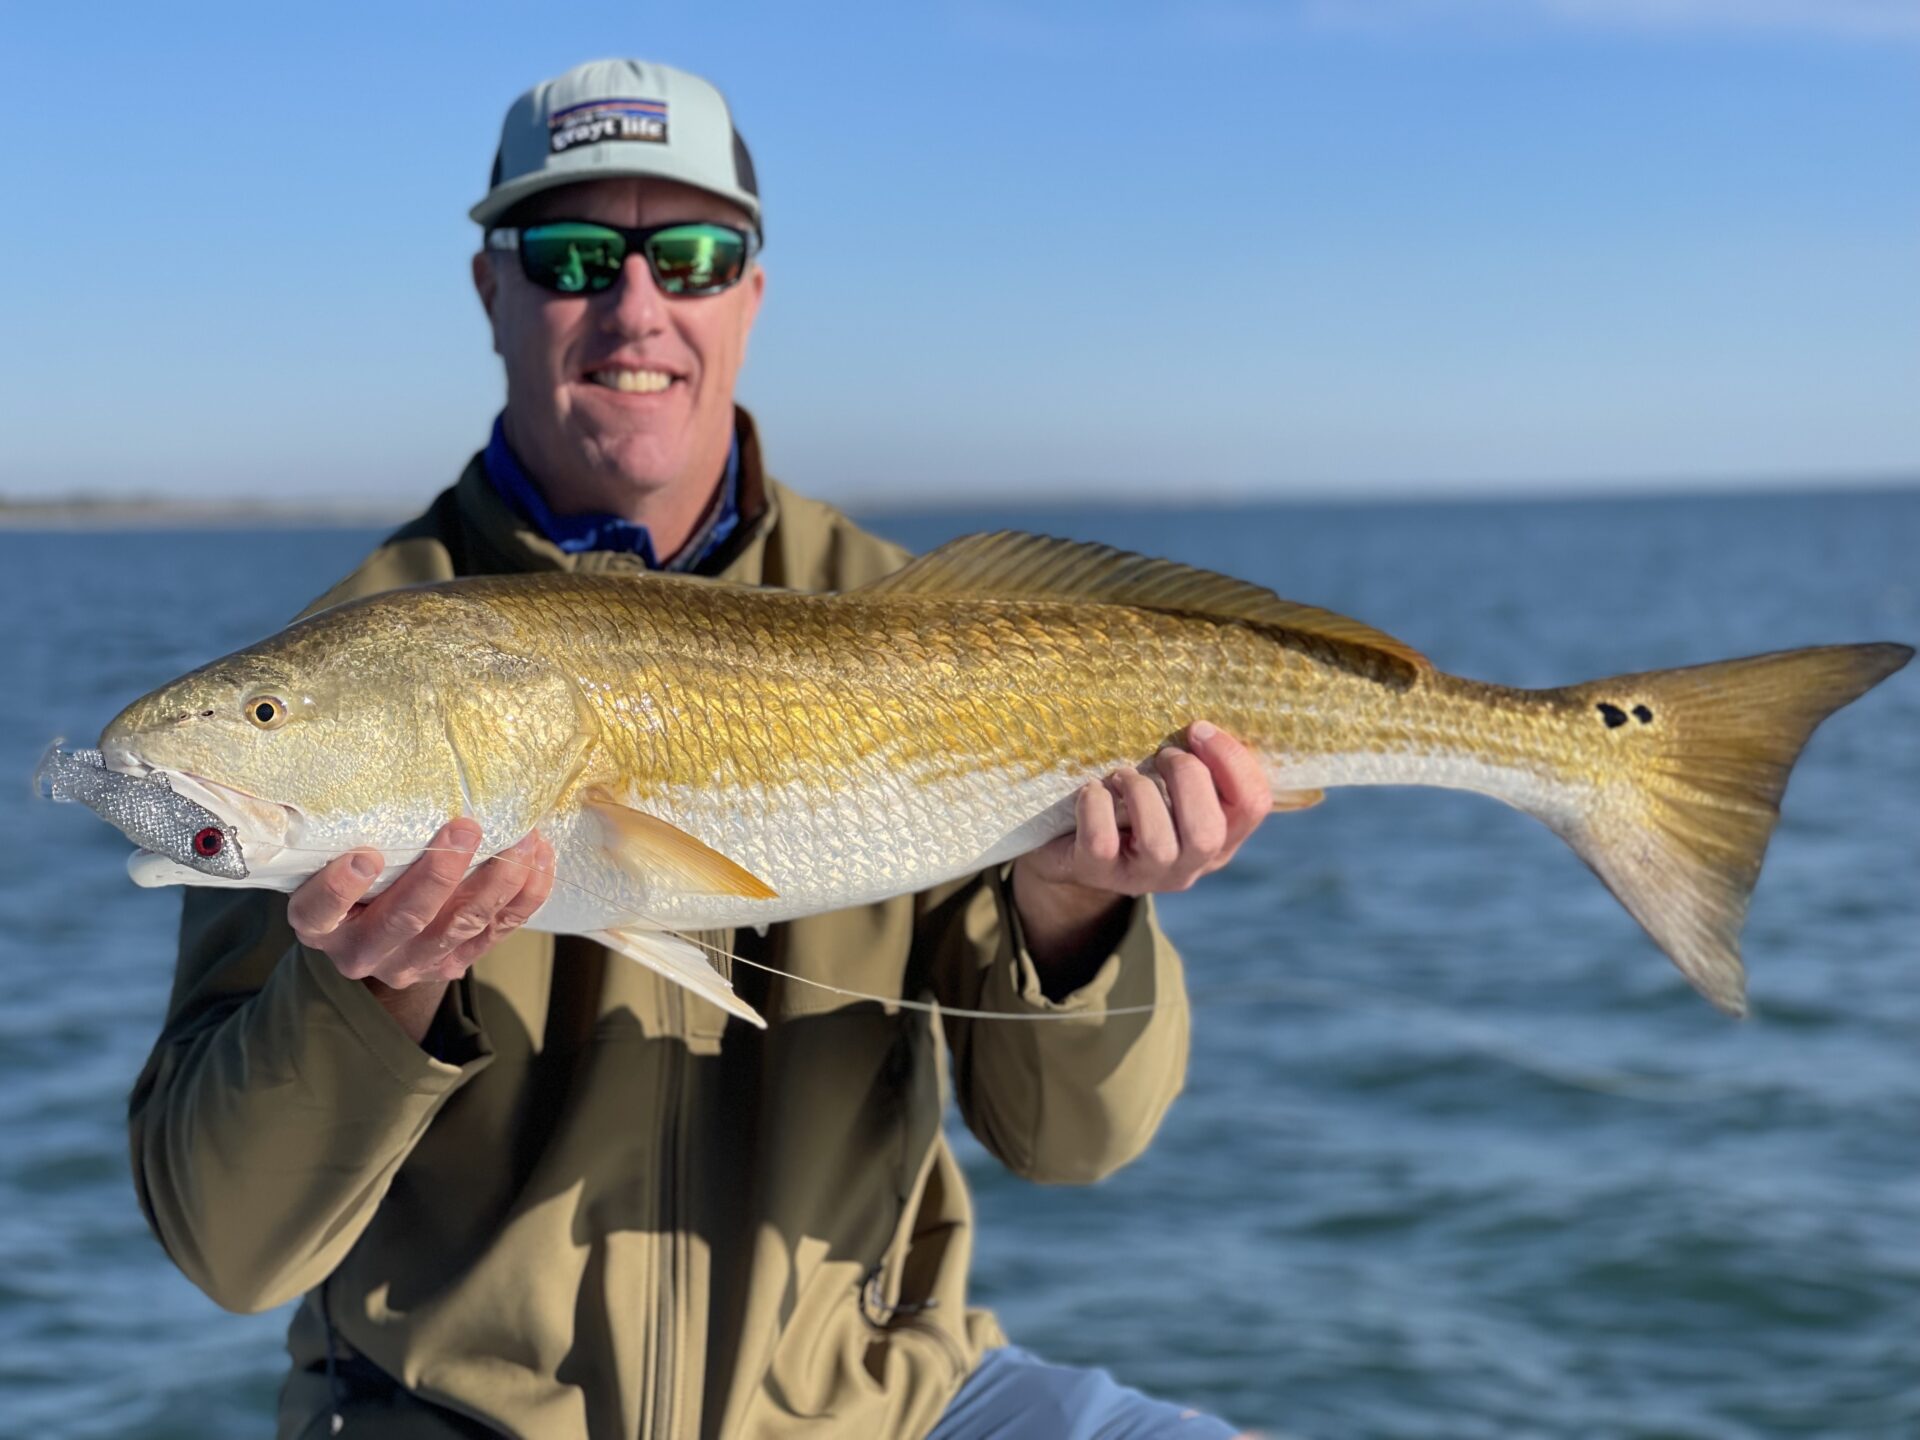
628,393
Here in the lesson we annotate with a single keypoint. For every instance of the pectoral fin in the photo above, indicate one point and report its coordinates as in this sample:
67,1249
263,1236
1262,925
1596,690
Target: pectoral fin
665,857
682,962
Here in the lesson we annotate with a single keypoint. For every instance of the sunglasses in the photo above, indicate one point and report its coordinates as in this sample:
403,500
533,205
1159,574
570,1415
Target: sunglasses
582,257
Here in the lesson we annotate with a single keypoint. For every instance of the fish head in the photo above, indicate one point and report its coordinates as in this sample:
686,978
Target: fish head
323,738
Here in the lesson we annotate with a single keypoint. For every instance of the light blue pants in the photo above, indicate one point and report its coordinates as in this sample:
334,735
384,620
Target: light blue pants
1015,1395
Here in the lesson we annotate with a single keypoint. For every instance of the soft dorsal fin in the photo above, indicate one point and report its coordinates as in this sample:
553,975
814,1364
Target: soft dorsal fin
1009,565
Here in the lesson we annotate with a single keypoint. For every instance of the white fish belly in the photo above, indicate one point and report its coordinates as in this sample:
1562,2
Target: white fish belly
827,847
822,848
1540,793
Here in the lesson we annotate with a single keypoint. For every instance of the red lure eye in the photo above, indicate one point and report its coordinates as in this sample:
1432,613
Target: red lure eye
209,842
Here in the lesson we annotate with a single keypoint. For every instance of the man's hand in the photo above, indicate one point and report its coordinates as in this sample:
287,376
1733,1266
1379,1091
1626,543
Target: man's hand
426,928
1069,891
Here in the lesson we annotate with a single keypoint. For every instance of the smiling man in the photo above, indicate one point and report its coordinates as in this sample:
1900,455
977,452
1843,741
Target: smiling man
624,401
529,1188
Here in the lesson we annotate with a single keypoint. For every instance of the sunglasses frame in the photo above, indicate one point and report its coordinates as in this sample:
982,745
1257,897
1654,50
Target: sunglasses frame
508,237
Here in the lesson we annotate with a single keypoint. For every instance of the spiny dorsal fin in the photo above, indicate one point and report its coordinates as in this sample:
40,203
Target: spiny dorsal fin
1009,565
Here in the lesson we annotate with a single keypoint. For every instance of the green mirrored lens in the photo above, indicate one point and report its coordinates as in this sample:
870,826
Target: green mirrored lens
572,258
688,259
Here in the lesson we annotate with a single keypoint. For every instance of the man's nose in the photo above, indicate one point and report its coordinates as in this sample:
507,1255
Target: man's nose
635,304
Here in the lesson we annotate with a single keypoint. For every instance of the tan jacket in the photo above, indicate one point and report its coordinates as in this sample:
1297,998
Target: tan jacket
605,1210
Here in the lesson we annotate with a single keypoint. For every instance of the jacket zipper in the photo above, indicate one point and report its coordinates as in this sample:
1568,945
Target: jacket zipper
667,1291
886,1313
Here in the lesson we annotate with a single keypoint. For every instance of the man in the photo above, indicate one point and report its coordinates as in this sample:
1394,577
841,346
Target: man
530,1188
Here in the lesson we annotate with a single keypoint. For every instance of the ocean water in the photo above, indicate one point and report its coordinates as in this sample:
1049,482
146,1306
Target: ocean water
1459,1156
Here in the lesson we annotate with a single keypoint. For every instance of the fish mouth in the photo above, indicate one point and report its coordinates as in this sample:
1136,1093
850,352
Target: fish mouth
264,827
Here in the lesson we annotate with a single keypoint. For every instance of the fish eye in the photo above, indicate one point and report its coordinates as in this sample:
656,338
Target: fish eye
209,842
266,711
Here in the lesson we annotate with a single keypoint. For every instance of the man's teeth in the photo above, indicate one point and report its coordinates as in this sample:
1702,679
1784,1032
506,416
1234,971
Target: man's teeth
632,382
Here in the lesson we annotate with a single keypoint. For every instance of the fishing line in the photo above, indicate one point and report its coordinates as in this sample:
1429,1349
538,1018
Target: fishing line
1476,1036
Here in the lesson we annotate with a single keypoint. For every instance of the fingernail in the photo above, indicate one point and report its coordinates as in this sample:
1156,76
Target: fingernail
524,847
367,867
1201,731
462,834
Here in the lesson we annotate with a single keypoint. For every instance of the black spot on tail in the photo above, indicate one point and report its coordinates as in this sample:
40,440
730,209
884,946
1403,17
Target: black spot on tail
1613,715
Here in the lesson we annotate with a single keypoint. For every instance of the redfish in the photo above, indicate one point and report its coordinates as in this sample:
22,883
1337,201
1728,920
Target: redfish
704,755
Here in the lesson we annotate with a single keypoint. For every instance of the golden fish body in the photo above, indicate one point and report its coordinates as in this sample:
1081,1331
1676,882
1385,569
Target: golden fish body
705,755
846,750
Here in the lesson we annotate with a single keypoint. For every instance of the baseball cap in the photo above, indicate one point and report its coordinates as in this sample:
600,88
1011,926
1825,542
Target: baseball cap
619,117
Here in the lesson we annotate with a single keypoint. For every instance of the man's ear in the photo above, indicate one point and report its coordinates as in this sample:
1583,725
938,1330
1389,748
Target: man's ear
487,286
756,284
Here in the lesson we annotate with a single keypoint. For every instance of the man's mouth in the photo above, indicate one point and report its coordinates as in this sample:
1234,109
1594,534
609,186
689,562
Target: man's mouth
632,382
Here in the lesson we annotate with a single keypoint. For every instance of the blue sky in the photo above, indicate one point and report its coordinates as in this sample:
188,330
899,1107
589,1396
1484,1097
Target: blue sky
1328,246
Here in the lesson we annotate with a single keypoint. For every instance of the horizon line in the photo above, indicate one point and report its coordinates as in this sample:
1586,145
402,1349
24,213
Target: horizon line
84,510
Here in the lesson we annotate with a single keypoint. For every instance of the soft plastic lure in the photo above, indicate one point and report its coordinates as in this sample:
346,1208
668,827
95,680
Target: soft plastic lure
146,809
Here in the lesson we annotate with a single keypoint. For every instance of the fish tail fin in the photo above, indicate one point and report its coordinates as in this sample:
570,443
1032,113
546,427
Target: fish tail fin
1705,752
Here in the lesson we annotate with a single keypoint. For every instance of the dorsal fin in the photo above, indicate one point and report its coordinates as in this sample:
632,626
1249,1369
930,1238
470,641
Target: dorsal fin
1009,565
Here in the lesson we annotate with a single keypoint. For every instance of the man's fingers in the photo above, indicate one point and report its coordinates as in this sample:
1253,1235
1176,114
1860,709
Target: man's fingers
1238,776
470,911
326,898
1155,844
415,900
533,857
1197,814
490,904
1096,823
458,962
526,868
433,921
1182,821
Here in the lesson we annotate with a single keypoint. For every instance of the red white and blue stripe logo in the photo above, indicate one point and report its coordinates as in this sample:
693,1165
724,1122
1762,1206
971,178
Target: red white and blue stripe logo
593,121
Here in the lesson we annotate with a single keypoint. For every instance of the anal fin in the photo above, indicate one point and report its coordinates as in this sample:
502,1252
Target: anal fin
682,962
1284,800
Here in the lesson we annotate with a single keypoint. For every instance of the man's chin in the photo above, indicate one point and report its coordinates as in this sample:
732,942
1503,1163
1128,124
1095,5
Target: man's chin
636,464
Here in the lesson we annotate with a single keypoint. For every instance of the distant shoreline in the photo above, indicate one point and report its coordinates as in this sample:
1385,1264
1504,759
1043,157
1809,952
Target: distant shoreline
89,513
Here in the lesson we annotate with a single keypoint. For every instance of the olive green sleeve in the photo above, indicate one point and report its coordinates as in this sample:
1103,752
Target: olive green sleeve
278,1103
1063,1100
